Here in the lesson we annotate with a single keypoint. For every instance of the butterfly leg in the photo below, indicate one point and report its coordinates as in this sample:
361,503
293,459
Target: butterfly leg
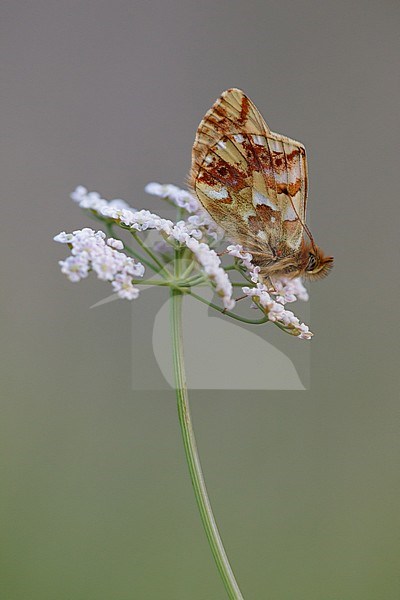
266,279
236,300
270,284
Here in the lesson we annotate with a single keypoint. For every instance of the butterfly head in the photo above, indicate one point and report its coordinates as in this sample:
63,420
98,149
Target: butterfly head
315,264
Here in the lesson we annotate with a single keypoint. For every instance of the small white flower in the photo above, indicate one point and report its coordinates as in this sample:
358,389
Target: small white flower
124,288
111,212
132,268
86,240
206,224
180,232
123,215
298,289
191,228
64,238
105,266
289,290
254,274
276,312
237,251
305,333
88,200
118,203
181,198
79,194
75,267
117,244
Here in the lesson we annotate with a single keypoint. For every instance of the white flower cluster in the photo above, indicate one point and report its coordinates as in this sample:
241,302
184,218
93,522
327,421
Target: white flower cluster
237,251
289,290
121,213
118,210
93,201
185,199
211,265
277,312
182,229
185,232
181,198
90,251
204,222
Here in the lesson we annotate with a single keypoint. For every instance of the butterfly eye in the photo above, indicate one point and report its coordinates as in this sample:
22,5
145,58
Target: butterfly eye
312,262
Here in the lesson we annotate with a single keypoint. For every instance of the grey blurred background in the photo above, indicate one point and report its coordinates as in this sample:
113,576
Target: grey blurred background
96,500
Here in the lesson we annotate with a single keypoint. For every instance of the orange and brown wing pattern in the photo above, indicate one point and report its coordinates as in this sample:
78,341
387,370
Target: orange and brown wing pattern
232,113
252,181
290,173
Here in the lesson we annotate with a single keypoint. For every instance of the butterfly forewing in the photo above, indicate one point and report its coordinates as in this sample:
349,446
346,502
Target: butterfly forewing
232,113
252,181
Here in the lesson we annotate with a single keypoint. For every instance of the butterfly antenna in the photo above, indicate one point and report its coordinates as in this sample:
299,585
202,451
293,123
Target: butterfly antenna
303,224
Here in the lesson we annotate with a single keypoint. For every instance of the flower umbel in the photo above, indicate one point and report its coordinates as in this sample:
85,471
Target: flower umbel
90,251
192,238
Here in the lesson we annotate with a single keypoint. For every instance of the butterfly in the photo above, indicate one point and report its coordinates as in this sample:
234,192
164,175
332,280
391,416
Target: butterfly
253,183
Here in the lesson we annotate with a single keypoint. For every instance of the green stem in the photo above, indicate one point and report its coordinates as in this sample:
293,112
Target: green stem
189,269
228,313
195,280
163,271
110,230
192,455
160,282
189,441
